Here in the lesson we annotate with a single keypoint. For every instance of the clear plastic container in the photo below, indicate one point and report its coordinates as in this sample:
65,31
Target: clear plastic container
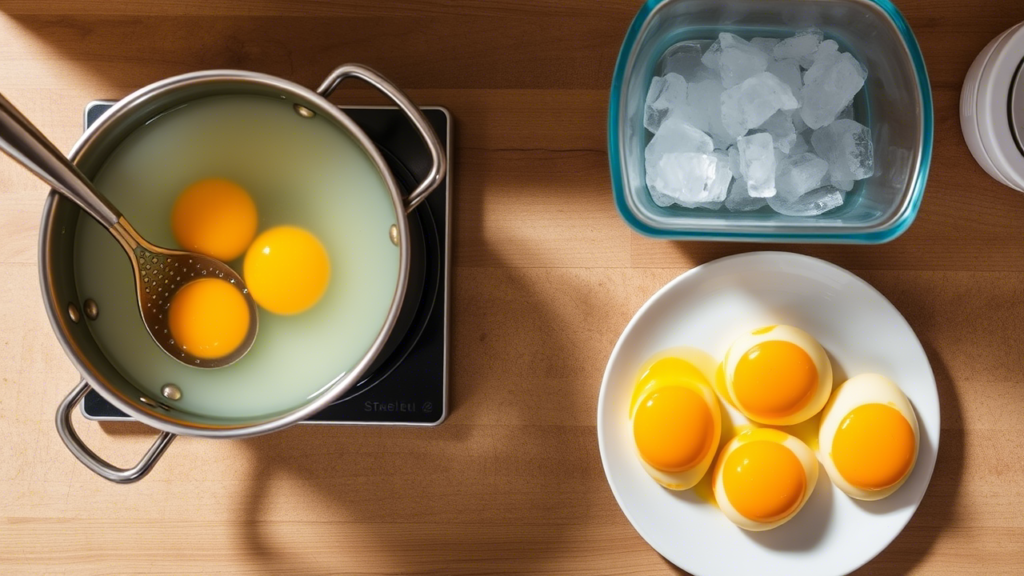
896,103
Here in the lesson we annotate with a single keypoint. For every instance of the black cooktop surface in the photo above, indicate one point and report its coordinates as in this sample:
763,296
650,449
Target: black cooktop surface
409,383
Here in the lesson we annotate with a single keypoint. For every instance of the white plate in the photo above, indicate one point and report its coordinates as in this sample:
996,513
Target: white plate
705,308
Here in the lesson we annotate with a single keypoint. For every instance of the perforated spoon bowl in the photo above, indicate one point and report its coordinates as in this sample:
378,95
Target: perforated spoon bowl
159,272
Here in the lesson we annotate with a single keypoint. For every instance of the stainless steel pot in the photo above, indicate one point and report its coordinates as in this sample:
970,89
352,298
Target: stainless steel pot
56,250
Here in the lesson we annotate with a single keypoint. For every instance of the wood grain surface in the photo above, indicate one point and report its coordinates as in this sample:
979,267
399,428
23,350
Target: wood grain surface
545,277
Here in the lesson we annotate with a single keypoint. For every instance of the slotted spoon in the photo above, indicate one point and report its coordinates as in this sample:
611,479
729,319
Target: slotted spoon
159,272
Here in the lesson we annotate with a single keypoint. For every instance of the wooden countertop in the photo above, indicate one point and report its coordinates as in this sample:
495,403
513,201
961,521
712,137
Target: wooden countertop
545,277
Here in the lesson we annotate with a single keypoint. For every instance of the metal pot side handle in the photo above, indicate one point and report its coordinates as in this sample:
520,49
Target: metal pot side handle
419,121
86,456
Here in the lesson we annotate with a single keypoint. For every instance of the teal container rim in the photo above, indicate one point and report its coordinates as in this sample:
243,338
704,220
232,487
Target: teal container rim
891,232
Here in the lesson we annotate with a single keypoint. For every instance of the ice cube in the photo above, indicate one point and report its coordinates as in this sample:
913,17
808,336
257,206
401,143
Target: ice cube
652,116
829,86
798,175
798,122
827,48
765,45
713,56
684,176
800,145
824,60
789,72
847,113
706,205
676,135
705,104
847,146
723,176
739,200
750,103
780,126
667,93
779,157
664,200
740,60
757,164
802,45
813,203
684,59
844,185
734,161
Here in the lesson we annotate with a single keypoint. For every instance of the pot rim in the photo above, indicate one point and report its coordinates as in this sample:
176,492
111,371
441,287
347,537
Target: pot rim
138,409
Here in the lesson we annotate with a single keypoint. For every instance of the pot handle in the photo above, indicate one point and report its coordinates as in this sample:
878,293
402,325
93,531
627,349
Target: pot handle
419,121
93,462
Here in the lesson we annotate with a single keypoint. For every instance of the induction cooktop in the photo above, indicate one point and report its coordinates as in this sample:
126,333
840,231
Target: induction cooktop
408,384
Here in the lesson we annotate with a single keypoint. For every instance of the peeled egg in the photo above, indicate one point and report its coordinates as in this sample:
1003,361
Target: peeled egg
777,375
676,422
208,318
868,437
287,270
215,217
763,477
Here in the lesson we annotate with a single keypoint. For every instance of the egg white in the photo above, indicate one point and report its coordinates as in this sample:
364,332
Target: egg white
687,478
855,392
803,453
787,334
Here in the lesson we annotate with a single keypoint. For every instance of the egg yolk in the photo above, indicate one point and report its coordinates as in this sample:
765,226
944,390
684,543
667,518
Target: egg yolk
873,447
666,371
775,379
208,318
763,480
287,270
673,428
215,217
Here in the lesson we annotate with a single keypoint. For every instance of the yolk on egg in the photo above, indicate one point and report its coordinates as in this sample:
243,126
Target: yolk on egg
764,480
775,378
215,217
873,447
208,318
666,371
287,270
673,428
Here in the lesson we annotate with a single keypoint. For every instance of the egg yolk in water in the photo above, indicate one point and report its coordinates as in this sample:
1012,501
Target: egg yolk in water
775,378
208,318
215,217
873,447
765,481
287,270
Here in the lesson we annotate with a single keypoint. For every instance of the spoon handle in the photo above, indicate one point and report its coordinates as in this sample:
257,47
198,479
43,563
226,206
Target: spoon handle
25,143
